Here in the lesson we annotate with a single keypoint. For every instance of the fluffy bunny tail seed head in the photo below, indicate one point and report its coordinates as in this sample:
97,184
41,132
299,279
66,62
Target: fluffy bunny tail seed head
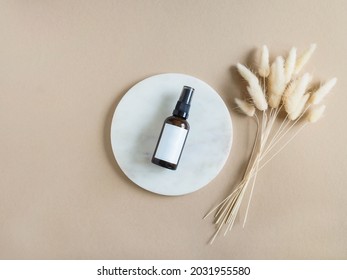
304,58
295,92
276,80
287,96
323,91
302,85
245,107
290,65
264,67
275,100
315,113
258,97
247,74
300,107
254,89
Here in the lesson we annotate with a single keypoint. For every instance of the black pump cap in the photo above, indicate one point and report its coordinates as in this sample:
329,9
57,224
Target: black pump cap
183,104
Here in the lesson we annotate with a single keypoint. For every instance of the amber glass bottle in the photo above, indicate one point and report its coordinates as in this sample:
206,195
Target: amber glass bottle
174,133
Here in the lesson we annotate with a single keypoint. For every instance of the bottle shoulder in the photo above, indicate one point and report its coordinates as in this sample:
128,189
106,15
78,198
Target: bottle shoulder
176,121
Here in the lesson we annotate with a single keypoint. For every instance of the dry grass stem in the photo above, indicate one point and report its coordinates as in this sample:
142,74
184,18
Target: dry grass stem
286,93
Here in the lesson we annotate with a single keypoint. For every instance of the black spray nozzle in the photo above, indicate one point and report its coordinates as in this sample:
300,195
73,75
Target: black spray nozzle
183,104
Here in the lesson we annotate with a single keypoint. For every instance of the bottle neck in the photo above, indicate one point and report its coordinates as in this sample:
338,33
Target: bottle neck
181,110
180,116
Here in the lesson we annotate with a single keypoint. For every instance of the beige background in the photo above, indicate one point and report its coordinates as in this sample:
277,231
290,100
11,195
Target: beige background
64,65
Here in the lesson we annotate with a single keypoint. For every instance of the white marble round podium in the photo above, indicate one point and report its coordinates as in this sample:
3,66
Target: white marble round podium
136,126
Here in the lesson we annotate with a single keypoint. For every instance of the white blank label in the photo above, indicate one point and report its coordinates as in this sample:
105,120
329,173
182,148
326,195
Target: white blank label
171,143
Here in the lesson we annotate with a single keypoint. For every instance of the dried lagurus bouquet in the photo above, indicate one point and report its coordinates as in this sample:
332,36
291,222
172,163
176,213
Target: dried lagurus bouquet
275,91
